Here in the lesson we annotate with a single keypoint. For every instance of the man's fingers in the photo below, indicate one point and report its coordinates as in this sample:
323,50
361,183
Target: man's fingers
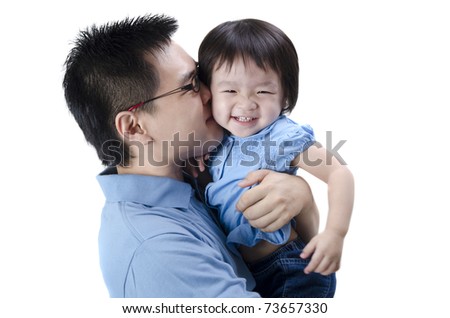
274,226
268,222
262,222
253,177
250,198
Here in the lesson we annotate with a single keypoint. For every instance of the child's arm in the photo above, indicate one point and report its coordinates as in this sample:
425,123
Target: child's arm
327,246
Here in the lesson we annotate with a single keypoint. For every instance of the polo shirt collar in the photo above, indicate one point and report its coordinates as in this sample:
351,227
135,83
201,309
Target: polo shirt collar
149,190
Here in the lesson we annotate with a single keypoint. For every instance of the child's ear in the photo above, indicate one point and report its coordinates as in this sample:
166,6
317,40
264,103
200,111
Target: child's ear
285,106
128,127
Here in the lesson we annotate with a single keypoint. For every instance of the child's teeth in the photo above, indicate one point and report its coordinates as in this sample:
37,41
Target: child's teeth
241,118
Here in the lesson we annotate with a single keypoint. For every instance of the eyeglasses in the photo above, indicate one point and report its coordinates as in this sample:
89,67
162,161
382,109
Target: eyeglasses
194,85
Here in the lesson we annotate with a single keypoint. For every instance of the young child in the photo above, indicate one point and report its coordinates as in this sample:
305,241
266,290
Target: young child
252,70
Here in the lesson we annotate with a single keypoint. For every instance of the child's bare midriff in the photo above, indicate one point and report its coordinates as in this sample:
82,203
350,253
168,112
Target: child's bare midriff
262,249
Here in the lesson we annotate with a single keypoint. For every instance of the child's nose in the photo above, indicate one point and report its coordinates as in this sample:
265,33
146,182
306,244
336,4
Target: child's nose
246,103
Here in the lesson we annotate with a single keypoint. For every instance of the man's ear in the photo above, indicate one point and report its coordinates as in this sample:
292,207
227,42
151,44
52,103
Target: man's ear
128,127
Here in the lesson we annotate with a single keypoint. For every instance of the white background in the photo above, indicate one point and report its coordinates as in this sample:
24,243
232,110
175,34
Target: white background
375,73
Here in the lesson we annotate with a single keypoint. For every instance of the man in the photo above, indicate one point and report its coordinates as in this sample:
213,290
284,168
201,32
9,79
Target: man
136,96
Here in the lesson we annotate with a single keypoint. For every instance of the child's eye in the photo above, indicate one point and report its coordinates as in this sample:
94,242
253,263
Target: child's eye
229,91
264,92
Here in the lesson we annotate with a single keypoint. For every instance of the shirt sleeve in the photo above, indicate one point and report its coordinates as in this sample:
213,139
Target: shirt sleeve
182,266
290,139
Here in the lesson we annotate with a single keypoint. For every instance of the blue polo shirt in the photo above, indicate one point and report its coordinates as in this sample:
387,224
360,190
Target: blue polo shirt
158,240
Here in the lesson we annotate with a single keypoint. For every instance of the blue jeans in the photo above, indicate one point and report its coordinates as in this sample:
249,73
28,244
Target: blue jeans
280,274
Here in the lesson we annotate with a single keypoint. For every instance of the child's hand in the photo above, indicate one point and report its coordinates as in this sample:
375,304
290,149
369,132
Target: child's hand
326,251
196,165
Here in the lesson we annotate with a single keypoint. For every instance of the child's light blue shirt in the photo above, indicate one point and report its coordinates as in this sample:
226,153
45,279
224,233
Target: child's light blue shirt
274,148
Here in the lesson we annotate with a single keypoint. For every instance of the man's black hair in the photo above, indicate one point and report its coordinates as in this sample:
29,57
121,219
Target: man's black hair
106,73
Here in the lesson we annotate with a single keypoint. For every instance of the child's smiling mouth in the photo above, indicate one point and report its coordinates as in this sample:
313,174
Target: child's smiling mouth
244,119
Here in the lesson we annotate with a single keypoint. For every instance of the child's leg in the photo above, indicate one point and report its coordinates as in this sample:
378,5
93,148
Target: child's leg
307,223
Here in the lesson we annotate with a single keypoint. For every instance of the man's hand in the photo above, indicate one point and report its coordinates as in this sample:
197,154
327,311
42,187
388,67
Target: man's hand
275,200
